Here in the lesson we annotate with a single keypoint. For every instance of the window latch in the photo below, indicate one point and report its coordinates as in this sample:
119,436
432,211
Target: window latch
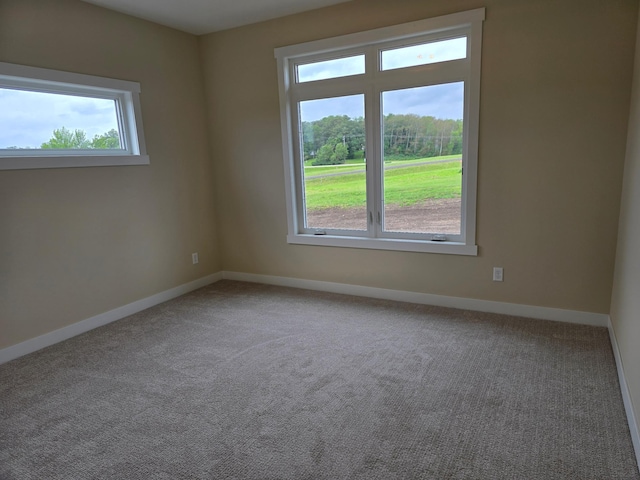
379,218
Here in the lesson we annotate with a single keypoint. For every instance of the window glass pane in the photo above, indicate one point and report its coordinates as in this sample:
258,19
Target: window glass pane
37,120
334,179
422,168
424,54
340,67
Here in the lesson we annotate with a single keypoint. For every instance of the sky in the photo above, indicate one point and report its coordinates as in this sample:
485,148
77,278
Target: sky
424,54
440,101
28,119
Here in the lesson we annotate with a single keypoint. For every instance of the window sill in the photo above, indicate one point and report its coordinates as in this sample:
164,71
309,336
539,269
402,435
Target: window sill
27,163
424,246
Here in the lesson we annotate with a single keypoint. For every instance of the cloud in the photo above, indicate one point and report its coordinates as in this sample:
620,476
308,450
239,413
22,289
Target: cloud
444,101
424,54
351,105
439,101
340,67
92,107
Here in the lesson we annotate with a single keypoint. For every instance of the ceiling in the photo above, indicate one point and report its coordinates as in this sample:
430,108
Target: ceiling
206,16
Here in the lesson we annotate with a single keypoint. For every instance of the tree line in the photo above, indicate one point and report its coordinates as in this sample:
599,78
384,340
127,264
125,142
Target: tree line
334,139
72,139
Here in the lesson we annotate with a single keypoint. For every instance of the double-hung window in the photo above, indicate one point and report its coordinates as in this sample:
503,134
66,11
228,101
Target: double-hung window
380,136
51,119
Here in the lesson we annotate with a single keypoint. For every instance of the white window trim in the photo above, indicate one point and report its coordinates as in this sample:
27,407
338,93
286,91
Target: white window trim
125,92
291,93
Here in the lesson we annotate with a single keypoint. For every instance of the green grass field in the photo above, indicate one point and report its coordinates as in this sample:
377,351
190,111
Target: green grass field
359,165
403,186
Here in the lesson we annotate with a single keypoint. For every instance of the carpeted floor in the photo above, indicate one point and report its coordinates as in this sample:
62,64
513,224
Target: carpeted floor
247,381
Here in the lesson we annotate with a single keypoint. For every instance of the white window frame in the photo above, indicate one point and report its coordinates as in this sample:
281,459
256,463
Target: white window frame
126,95
371,84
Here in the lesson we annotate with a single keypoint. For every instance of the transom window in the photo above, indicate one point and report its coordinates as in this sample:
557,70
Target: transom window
54,119
380,135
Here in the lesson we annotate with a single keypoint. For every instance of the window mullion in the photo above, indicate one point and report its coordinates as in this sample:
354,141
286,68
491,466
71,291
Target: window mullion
326,89
298,167
372,154
377,164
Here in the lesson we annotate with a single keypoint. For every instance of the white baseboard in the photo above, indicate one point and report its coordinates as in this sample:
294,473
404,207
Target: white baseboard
626,396
543,313
33,344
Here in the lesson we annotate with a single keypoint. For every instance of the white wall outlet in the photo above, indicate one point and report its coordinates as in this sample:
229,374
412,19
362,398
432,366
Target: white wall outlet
498,274
194,258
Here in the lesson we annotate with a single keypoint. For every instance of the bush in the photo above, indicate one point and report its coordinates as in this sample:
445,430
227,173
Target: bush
334,152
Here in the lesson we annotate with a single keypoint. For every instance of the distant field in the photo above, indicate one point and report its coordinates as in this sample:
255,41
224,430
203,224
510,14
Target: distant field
315,171
406,185
359,165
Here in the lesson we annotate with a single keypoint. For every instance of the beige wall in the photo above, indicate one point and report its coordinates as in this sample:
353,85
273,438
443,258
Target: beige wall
78,242
554,109
625,301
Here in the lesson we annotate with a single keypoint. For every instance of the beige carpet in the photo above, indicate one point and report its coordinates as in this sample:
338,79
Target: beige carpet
246,381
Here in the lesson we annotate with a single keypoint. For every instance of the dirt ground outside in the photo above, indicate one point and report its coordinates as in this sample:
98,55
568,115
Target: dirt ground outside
433,216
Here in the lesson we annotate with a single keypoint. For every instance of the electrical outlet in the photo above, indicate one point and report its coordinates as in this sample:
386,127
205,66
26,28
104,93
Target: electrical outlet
498,274
194,258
